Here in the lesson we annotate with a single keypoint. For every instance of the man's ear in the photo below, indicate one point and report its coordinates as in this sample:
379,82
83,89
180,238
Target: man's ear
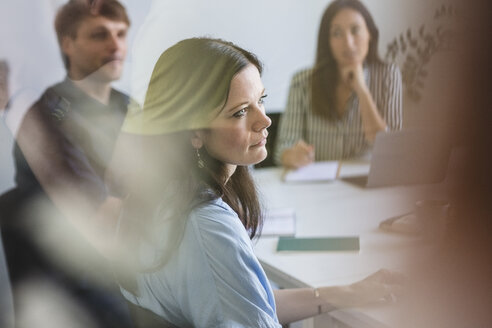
197,139
66,45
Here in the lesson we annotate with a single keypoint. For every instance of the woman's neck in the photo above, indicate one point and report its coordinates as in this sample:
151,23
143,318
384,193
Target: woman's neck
230,170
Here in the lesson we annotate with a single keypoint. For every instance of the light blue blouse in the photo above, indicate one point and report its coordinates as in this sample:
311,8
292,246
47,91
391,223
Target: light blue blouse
213,279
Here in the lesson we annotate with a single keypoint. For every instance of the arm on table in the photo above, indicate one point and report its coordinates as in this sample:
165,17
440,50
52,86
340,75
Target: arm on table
301,303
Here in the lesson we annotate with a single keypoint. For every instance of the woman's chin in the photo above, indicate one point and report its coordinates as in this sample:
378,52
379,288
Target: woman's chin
260,157
349,62
263,157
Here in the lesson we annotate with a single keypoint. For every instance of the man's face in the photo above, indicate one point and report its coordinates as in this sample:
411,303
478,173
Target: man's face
98,49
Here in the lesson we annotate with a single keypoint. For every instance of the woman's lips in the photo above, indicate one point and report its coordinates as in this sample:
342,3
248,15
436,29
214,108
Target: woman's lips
261,143
263,140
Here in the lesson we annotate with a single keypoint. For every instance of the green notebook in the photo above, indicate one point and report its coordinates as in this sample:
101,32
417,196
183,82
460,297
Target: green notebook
350,243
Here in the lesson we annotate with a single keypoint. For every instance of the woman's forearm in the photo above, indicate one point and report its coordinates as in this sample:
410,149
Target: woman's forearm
372,122
296,304
301,303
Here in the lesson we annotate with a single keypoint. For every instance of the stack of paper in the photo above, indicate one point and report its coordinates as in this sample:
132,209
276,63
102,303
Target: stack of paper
317,171
279,222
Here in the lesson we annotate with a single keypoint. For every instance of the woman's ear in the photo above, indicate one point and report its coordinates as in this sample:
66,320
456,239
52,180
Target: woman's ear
197,139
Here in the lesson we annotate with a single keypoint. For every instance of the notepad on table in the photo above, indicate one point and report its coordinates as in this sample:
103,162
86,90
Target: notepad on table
279,222
348,243
317,171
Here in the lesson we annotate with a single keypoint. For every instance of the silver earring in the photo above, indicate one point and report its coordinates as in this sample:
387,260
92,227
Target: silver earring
200,162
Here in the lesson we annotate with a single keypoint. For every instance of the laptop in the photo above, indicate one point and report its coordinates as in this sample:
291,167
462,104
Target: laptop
411,156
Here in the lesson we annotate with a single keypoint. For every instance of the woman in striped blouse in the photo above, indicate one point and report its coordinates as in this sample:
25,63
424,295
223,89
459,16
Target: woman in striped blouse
336,108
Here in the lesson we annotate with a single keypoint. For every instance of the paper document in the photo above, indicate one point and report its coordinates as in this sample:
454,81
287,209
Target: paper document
317,171
279,222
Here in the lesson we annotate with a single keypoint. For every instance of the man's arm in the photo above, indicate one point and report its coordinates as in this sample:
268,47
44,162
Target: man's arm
67,177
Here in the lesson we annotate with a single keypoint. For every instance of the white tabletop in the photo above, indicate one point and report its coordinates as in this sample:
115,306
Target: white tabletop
338,208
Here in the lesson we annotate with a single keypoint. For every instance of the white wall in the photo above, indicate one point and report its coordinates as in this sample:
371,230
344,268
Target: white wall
28,43
282,33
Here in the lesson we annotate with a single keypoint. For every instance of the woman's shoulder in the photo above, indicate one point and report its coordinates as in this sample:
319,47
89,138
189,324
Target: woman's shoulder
213,209
216,229
215,216
383,68
302,76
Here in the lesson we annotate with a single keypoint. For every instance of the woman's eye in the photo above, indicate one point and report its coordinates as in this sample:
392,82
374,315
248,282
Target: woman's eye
336,33
262,99
355,29
240,113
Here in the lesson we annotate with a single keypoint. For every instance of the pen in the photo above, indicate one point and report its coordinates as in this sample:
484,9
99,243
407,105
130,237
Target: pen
339,169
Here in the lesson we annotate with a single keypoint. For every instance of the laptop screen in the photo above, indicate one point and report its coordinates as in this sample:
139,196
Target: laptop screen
411,156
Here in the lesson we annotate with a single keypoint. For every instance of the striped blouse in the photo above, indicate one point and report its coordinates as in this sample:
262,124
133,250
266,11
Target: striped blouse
343,138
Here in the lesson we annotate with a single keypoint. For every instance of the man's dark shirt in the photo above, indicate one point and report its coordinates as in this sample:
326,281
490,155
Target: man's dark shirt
86,131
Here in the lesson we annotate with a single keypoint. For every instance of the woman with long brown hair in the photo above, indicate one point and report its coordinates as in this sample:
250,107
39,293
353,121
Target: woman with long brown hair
336,108
191,208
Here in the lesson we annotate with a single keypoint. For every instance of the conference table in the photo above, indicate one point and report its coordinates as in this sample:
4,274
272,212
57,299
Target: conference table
340,208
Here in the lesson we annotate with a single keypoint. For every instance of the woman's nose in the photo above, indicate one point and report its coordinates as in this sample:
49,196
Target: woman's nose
262,122
349,41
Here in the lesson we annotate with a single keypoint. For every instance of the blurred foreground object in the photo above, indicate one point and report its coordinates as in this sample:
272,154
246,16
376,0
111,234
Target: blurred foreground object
4,84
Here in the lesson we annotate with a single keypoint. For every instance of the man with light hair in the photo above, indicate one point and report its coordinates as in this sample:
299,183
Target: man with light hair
60,214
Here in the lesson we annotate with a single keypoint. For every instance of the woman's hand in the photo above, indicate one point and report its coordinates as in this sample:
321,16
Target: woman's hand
301,154
381,286
353,76
372,121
